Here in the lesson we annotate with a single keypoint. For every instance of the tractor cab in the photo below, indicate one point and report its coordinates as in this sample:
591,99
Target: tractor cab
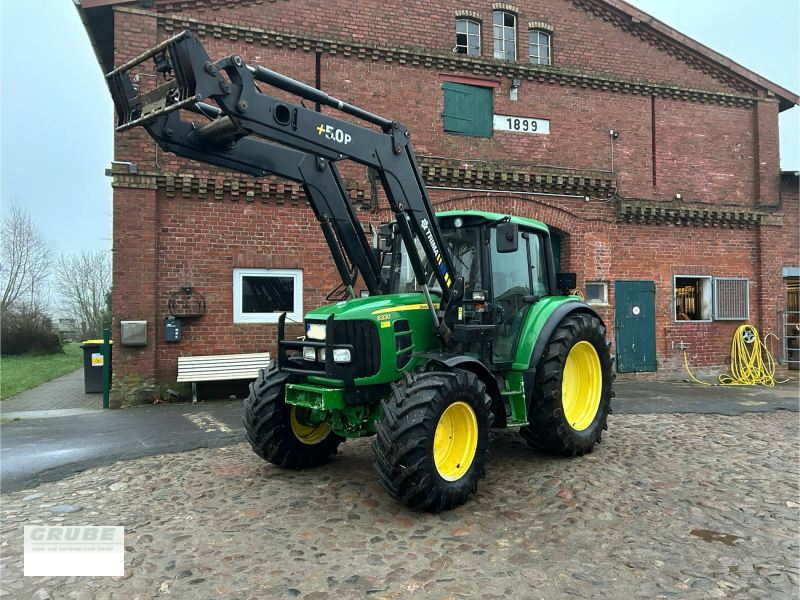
504,265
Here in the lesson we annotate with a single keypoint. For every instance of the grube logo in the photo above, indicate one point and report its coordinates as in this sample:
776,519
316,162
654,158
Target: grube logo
86,551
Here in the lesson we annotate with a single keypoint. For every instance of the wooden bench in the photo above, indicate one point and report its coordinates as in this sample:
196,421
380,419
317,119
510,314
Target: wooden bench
220,368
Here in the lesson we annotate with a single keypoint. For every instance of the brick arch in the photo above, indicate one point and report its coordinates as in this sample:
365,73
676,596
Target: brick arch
522,206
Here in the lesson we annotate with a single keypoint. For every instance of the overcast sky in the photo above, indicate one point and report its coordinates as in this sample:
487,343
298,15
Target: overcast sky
56,115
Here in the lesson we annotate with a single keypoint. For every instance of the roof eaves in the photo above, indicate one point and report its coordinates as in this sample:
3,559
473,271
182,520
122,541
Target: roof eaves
787,98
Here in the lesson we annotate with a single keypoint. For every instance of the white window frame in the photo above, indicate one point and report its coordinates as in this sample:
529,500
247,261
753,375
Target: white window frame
502,38
706,300
242,317
604,300
469,35
549,47
717,296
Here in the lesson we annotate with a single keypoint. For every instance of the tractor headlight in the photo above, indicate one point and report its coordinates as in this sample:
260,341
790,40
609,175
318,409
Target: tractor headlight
341,355
315,331
309,353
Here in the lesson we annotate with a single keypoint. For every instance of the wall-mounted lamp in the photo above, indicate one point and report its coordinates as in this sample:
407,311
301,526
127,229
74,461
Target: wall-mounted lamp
613,134
515,83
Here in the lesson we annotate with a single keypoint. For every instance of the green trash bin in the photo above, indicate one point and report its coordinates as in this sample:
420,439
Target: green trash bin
93,365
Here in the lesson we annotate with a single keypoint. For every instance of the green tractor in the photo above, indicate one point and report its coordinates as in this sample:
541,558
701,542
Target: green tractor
525,355
461,323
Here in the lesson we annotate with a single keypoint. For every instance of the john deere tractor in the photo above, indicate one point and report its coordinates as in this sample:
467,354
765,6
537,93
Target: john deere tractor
461,323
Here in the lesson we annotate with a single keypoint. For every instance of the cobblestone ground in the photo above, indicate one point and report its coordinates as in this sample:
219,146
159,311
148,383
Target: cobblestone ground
669,506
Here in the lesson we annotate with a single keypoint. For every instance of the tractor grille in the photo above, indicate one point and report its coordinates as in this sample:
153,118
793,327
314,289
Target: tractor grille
366,342
366,353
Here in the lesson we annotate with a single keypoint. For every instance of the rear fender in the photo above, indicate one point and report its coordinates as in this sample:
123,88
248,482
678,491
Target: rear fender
553,321
544,336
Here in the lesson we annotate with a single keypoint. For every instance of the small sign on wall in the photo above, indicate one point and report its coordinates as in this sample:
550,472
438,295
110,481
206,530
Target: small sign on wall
521,124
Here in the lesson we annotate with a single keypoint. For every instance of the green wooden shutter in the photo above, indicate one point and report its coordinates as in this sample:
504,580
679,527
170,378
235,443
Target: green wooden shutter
468,109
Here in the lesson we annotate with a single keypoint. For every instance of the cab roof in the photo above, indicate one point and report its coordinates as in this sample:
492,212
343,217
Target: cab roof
490,216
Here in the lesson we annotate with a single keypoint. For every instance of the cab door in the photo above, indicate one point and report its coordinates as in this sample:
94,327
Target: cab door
511,282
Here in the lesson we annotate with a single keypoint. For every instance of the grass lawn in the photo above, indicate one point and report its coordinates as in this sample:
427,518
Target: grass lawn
24,372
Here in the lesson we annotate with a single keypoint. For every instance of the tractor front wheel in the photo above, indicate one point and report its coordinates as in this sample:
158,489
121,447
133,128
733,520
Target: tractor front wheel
433,439
571,397
278,432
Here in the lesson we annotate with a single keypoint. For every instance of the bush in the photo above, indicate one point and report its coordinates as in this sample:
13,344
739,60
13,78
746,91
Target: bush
28,330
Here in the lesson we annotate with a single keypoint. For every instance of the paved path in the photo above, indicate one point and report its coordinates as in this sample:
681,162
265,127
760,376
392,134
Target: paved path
63,393
38,450
691,507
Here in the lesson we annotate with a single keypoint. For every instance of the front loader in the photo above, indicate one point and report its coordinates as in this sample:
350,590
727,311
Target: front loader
466,325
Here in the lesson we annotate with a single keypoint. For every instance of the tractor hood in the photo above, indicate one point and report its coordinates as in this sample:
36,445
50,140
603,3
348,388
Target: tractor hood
372,307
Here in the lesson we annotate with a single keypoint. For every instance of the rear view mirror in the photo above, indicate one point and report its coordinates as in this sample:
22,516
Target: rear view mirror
507,237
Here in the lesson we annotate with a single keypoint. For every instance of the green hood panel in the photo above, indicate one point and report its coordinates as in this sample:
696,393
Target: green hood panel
370,308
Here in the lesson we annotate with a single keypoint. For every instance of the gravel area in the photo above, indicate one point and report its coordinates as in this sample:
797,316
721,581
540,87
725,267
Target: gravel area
668,506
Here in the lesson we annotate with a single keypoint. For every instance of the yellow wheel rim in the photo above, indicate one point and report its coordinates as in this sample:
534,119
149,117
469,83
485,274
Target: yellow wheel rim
306,433
581,386
456,441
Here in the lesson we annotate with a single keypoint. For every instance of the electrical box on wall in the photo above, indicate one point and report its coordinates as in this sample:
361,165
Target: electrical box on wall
172,329
133,333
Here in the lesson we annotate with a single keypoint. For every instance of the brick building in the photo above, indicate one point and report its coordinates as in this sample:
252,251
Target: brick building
682,212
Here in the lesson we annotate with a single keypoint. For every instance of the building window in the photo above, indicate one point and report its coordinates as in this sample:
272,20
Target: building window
261,295
505,35
539,47
597,292
468,37
468,109
692,298
731,299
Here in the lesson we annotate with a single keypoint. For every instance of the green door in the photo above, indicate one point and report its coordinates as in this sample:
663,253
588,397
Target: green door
635,324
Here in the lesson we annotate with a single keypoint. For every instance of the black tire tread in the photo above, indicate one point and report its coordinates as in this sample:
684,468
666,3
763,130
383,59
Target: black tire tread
548,430
268,430
405,468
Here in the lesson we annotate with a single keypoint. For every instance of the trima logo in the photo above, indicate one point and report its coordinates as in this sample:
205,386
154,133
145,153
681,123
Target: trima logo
429,234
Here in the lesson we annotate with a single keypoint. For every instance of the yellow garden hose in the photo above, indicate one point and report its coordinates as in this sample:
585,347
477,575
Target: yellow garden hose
749,366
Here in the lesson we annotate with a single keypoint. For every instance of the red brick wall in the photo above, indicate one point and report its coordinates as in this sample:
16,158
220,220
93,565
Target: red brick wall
714,156
201,242
582,41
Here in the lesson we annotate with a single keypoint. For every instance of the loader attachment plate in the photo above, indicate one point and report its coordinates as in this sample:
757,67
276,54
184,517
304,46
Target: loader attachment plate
175,56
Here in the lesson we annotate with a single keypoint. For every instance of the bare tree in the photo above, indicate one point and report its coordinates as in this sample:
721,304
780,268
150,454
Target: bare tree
26,257
82,282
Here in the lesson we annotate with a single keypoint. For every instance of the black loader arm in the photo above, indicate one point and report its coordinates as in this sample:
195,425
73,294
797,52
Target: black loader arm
245,111
323,187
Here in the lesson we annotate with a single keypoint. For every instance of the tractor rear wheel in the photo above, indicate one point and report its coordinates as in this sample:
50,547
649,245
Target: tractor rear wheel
571,397
277,431
433,439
